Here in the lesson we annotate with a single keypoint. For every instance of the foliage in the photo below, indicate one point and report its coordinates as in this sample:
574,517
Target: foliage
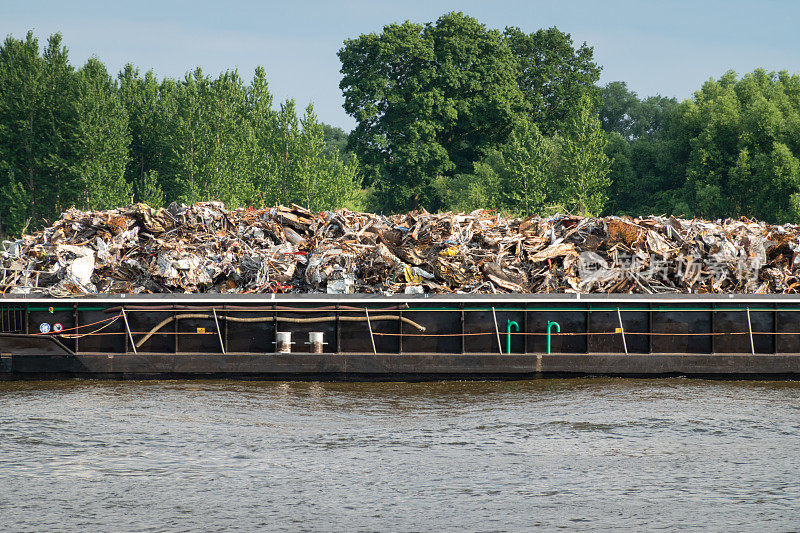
732,150
584,178
450,115
431,100
743,146
646,177
553,75
79,137
335,141
221,139
101,140
532,173
428,99
38,94
526,169
148,190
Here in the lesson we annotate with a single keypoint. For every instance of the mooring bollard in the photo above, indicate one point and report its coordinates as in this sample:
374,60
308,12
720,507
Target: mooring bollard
284,341
315,339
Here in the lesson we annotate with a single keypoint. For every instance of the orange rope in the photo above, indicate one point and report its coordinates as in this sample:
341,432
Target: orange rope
95,332
146,332
582,333
78,327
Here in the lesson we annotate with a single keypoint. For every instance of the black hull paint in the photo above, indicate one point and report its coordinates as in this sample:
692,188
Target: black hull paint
397,367
397,338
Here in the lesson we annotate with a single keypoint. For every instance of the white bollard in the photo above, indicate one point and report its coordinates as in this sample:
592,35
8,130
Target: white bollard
315,339
284,341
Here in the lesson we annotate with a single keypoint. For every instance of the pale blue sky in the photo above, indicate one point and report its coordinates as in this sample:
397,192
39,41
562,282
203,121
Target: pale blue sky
657,47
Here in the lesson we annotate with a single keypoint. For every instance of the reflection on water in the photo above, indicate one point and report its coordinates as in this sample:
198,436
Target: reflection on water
223,455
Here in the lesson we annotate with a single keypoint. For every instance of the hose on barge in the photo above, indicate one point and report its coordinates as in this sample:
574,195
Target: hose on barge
312,320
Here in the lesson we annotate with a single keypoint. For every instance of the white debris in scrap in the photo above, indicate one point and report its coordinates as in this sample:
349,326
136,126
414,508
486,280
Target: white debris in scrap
207,248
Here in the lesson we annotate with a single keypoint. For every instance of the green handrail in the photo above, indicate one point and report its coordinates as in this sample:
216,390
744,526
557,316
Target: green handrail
53,309
550,325
509,325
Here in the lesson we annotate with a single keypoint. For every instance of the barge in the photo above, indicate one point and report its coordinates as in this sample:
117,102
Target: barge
400,337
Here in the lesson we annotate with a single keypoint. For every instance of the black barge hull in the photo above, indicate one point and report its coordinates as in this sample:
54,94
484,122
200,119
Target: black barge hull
399,338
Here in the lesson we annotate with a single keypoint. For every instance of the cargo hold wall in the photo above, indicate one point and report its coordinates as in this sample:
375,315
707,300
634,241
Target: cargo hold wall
492,335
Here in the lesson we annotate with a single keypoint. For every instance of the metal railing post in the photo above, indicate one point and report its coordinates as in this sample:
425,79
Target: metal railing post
371,335
497,331
219,333
622,331
750,330
128,330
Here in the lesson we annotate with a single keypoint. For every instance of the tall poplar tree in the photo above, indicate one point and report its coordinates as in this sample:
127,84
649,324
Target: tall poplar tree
101,140
148,150
584,181
37,131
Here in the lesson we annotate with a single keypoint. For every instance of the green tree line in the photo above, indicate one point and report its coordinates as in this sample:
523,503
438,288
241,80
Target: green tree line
80,137
731,150
450,115
454,115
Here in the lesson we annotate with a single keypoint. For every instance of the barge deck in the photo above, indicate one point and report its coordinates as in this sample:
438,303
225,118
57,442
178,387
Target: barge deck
401,337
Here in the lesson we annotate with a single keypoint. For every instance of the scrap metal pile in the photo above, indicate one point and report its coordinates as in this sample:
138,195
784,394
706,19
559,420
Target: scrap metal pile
206,248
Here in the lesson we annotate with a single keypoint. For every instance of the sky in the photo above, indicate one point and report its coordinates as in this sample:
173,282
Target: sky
658,47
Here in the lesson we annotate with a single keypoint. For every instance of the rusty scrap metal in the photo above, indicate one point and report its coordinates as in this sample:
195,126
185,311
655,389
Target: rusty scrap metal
208,248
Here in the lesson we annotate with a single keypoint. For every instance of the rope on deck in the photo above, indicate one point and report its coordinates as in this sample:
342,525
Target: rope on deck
313,320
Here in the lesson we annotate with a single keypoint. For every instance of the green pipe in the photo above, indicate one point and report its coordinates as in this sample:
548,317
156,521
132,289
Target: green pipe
549,327
509,325
606,309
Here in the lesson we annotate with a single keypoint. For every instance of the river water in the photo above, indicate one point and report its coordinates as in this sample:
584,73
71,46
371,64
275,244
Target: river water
586,454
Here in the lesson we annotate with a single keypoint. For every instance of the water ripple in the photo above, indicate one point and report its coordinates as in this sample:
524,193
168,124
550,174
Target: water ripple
588,454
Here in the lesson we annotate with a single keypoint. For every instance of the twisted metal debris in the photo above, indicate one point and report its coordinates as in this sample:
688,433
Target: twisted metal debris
206,248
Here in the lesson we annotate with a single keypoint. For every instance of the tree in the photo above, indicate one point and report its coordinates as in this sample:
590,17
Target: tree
624,189
527,162
263,124
429,100
38,95
518,177
148,149
148,190
335,140
220,139
646,173
101,139
285,146
741,146
81,138
618,108
211,138
305,174
22,148
584,182
652,117
553,76
432,100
